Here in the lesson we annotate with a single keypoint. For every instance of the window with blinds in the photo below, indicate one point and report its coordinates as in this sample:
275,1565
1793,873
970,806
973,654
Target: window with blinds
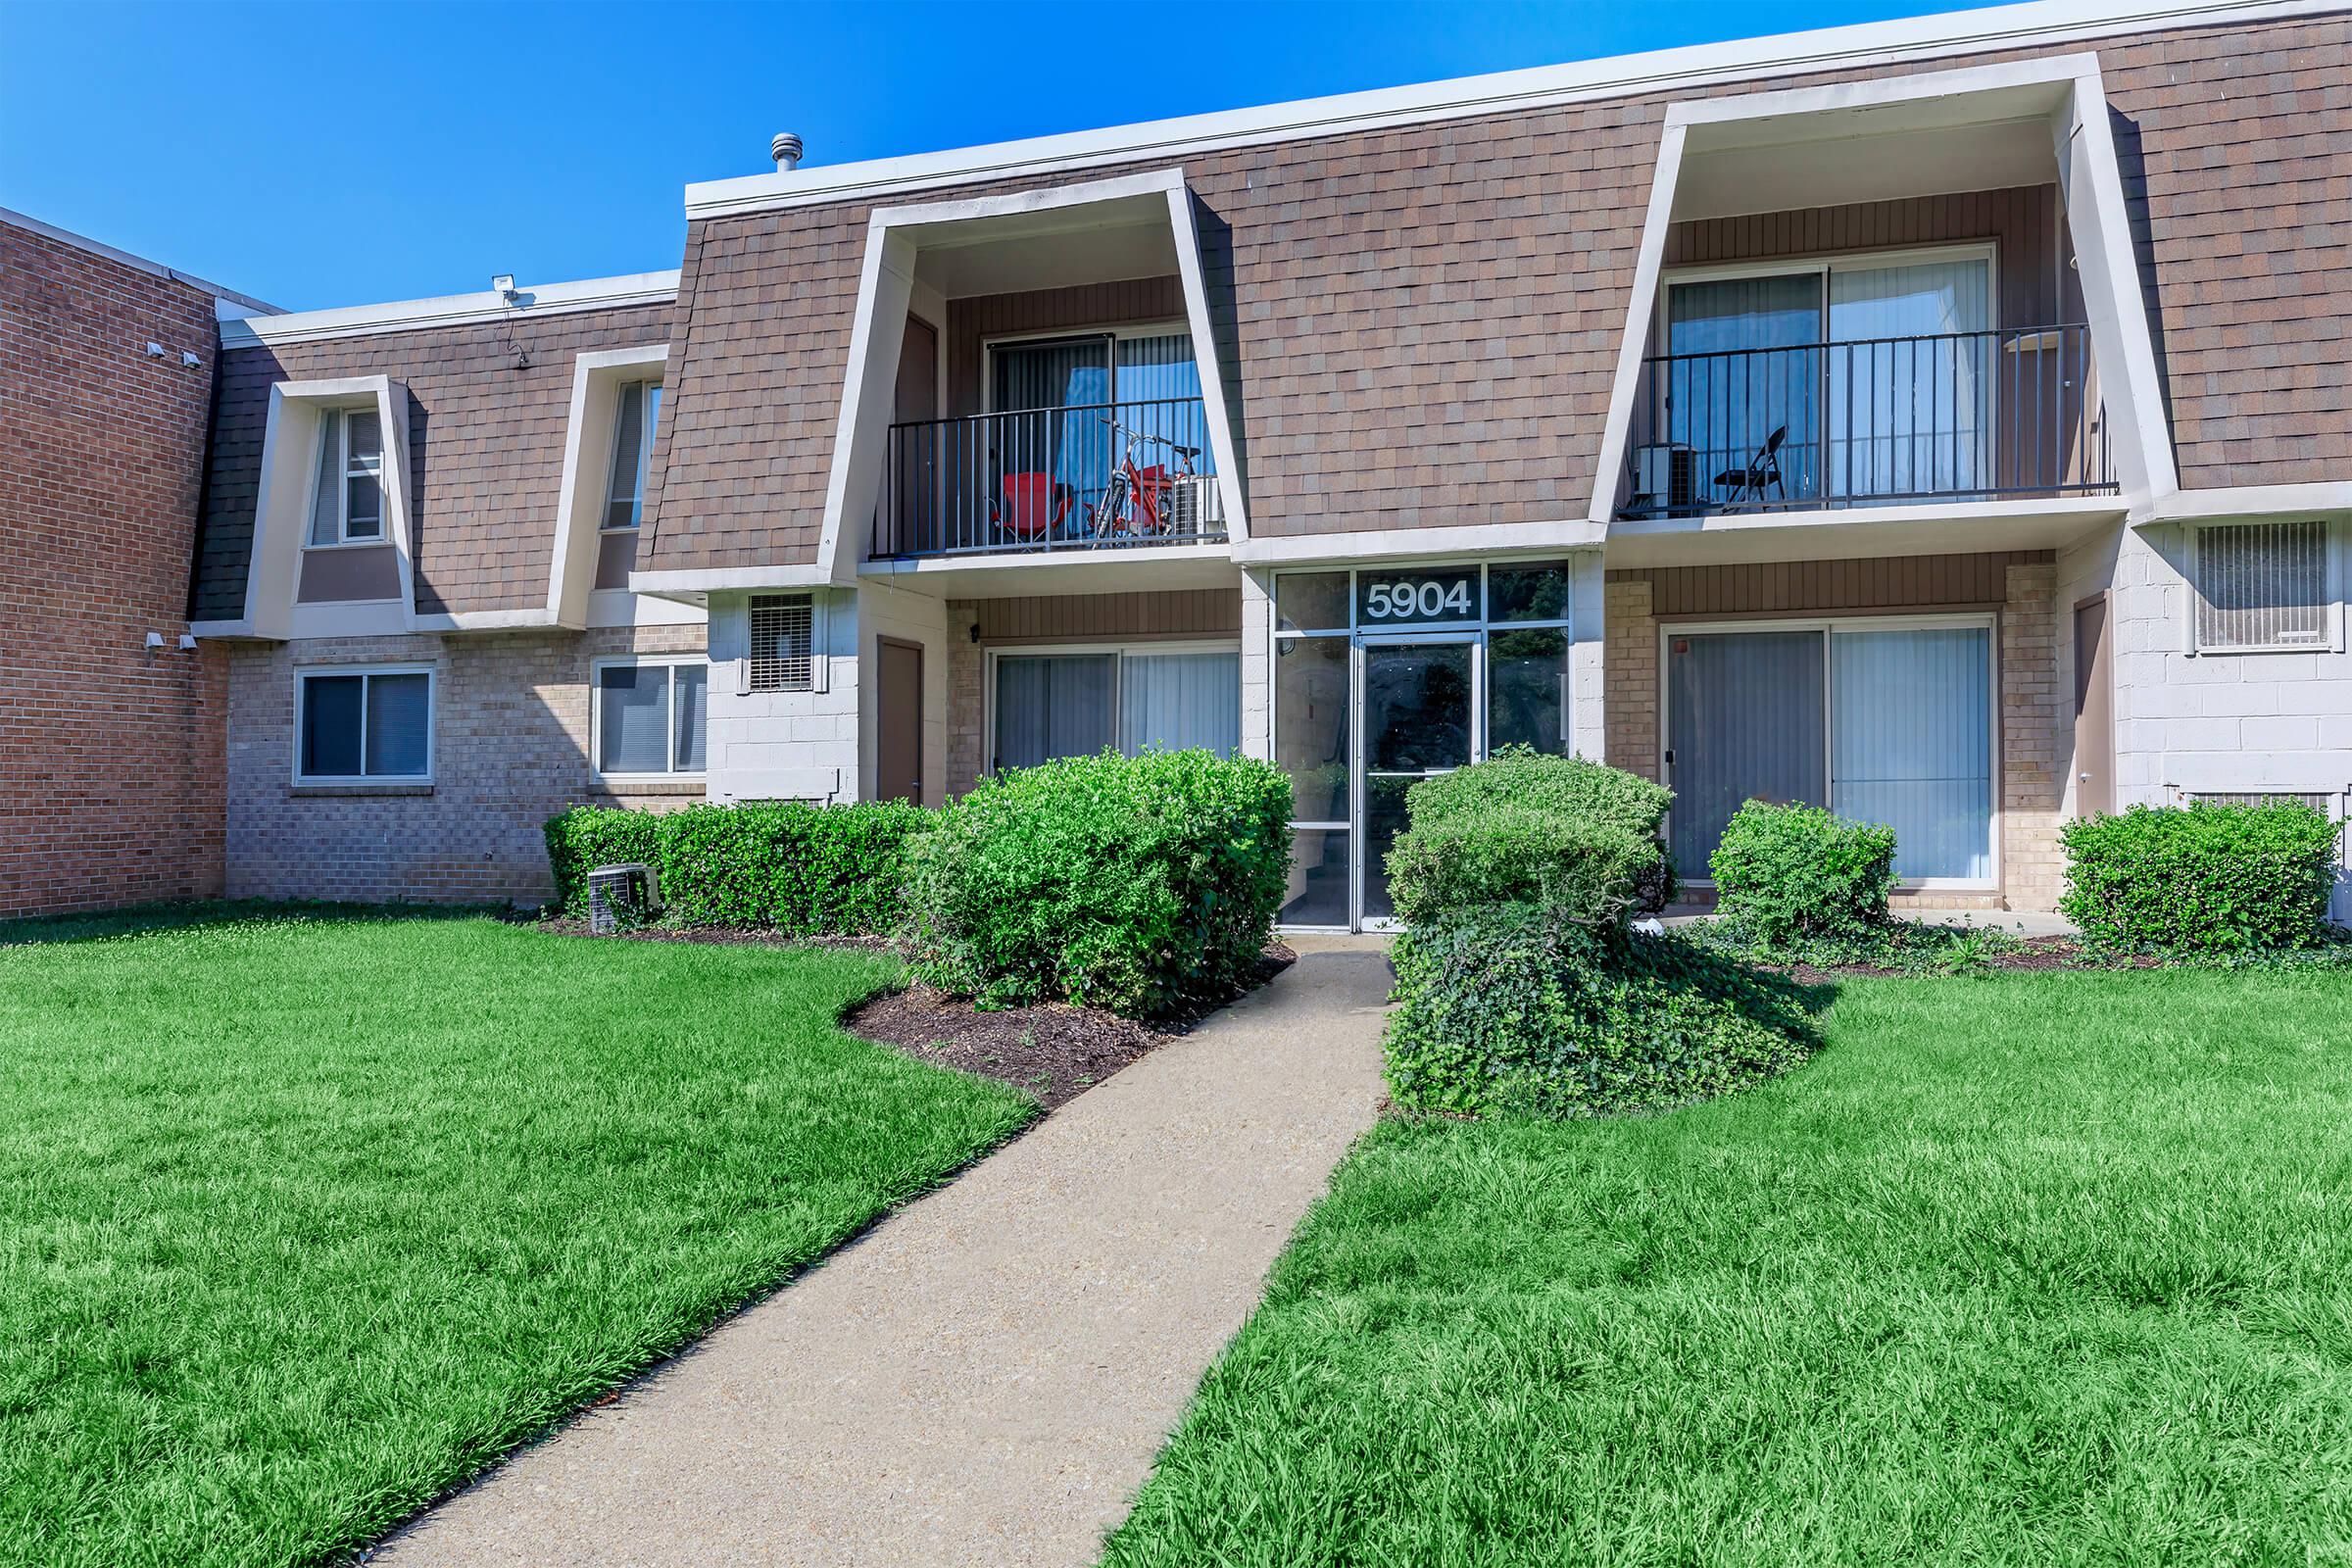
2262,585
783,642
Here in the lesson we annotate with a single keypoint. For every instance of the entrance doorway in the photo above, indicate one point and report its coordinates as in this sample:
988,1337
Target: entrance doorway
899,737
1419,718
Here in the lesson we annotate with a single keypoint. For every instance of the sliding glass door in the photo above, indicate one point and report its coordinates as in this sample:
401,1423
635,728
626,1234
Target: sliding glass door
1910,390
1879,722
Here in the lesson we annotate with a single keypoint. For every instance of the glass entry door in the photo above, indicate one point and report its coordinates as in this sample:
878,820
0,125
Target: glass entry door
1418,719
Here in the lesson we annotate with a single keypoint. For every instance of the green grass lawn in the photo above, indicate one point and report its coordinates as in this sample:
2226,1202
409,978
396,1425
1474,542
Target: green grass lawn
303,1220
2034,1269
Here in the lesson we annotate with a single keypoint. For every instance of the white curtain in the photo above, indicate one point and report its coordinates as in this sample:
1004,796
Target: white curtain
1911,744
1909,397
1174,702
1053,705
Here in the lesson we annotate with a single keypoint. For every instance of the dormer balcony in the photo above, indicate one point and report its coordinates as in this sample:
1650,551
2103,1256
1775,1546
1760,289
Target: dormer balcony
1063,477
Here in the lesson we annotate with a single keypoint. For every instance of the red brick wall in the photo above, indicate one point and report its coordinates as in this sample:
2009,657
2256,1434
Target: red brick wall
111,754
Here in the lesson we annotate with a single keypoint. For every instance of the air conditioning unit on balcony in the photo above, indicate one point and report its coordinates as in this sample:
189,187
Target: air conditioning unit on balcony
1665,477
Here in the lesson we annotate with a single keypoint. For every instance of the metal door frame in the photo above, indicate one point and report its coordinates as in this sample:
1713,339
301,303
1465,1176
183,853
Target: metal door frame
1359,818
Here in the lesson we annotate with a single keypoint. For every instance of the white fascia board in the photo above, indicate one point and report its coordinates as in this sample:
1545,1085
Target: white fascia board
450,309
2015,26
1402,544
202,629
728,579
596,379
1883,91
1633,342
2332,497
484,620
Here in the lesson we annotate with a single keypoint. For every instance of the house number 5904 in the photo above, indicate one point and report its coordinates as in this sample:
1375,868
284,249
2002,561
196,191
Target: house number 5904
1418,601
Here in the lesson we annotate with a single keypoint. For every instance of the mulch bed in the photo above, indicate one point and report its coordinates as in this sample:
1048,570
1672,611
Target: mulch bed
1055,1051
2035,954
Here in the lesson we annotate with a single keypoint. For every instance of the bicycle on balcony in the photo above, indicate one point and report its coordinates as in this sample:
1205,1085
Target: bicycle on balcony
1141,503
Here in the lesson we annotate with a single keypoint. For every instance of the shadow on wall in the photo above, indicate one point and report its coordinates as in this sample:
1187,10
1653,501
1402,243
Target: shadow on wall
2131,164
1224,328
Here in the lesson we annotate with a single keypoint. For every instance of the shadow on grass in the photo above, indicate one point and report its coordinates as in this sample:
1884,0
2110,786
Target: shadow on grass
144,918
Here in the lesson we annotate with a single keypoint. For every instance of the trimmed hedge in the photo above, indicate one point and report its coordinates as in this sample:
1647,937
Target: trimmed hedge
1577,837
774,865
2208,878
1135,883
1789,874
1514,1009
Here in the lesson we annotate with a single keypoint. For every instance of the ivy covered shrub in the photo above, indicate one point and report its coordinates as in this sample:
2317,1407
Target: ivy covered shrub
1789,876
2209,878
780,865
1514,1008
1527,827
1139,884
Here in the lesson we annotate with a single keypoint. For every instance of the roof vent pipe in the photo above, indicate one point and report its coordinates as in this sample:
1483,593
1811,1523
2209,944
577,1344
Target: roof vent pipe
785,148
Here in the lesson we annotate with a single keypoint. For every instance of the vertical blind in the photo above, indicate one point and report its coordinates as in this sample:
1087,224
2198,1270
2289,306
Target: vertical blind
1074,705
1725,407
1911,744
1746,723
1911,417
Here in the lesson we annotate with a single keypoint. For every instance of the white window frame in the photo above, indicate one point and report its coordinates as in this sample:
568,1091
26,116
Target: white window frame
1824,262
334,423
1988,620
1478,631
2335,586
305,673
991,343
596,713
1143,646
645,454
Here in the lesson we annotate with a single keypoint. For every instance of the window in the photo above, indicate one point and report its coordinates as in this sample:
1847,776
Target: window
634,427
364,725
1147,698
347,503
2261,585
650,716
783,643
1053,395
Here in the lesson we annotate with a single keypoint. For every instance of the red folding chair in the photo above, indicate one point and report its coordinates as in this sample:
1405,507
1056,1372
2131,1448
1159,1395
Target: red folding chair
1033,506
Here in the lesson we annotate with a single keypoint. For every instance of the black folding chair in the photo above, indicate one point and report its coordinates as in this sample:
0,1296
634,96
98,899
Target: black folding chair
1764,468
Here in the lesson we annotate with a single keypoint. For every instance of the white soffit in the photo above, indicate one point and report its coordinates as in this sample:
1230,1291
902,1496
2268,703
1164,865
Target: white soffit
2042,24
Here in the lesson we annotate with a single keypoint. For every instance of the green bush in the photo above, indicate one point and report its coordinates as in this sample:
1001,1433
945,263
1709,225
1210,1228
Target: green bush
770,865
1785,875
1526,827
1514,1009
1137,884
785,865
2207,878
585,837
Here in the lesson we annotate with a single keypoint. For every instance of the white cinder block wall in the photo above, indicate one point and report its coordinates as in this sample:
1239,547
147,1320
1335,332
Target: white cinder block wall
785,746
2190,723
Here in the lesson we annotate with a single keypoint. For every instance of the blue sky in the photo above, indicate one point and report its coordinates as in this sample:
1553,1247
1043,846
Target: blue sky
336,153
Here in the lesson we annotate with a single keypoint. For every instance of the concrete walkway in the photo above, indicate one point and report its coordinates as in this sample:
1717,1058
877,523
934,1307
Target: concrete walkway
985,1377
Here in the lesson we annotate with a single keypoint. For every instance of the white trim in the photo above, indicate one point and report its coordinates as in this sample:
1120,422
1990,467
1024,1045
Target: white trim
990,654
783,576
304,675
596,715
288,474
2246,501
449,310
222,297
1120,332
589,432
240,627
482,620
1632,344
1989,621
1482,541
2034,26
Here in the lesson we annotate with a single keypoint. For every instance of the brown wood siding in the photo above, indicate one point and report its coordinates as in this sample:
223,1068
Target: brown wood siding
1801,587
2026,223
970,322
1111,618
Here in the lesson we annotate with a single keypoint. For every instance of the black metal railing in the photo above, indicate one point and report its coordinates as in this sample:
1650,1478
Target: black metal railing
1098,477
2005,415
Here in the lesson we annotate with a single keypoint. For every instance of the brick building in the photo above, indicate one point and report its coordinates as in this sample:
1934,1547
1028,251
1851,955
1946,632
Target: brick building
1948,421
111,737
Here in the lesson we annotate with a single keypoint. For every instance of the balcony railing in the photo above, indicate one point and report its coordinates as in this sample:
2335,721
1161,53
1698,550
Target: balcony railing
1099,476
2005,415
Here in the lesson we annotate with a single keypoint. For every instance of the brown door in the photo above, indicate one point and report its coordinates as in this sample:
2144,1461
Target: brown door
2094,710
899,741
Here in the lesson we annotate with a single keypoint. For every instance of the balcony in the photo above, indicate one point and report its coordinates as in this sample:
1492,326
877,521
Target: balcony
1077,479
2006,415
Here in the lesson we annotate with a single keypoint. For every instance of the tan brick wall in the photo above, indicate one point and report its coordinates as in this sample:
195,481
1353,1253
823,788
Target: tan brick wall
2034,707
967,712
110,751
511,736
2036,716
1629,680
